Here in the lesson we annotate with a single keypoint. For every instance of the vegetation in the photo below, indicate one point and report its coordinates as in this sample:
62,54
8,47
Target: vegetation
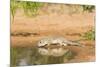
13,8
30,8
90,35
88,8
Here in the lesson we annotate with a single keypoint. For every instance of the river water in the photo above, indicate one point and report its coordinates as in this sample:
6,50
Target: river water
27,56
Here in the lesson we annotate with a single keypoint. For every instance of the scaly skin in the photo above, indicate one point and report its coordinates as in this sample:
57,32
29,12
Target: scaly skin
57,41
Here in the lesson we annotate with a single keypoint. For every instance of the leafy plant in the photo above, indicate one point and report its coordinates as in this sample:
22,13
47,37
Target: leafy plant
89,35
30,8
88,8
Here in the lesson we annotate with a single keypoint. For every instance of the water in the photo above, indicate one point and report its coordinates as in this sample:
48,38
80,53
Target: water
26,56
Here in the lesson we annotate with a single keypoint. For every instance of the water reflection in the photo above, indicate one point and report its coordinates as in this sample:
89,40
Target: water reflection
23,56
23,62
52,52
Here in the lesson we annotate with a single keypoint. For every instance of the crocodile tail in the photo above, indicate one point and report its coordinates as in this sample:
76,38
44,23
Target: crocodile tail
71,43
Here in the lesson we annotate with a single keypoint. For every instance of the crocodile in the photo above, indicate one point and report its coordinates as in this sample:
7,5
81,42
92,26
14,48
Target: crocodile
59,41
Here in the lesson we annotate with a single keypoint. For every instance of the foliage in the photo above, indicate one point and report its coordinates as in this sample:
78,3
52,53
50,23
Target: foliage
30,8
88,8
13,8
89,35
